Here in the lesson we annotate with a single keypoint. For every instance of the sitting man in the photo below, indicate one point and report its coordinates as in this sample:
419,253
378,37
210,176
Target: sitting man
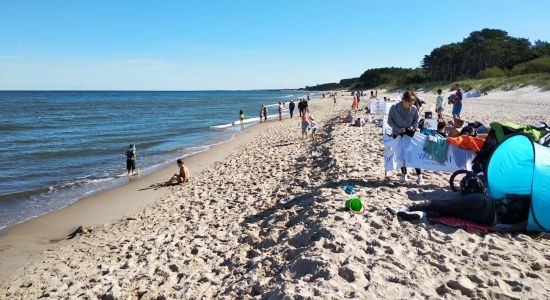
348,118
180,178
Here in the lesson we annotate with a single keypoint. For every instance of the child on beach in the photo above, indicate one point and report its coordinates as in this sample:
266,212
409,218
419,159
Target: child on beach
180,178
313,126
131,159
280,111
241,116
264,109
305,126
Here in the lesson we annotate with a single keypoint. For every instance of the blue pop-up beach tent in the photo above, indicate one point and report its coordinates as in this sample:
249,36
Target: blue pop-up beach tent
520,166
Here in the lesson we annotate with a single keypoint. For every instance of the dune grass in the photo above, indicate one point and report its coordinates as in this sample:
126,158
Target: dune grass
541,80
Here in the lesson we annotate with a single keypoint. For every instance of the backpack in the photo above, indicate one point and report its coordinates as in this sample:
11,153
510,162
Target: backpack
452,99
469,184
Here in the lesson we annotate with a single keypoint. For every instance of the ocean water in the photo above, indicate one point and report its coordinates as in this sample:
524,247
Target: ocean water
59,146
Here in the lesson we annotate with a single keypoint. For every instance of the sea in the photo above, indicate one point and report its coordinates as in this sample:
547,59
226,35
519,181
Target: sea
57,147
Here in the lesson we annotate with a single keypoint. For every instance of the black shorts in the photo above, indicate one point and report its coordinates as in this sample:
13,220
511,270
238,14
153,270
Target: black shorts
130,164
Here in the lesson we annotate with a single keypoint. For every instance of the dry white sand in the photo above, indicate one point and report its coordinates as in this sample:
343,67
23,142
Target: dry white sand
268,222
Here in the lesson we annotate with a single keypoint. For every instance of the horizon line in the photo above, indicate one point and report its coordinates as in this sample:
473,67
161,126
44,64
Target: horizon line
125,90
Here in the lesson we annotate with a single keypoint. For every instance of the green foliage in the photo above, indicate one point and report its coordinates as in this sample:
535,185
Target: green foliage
539,65
377,77
491,72
480,50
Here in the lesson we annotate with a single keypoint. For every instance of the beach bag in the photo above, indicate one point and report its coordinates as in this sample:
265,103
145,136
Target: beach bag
471,183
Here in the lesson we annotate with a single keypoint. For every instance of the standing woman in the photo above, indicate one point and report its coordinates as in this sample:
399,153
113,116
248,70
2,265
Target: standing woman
355,104
403,119
280,111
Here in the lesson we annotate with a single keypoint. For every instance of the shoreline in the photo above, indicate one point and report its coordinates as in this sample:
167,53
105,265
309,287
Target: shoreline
21,243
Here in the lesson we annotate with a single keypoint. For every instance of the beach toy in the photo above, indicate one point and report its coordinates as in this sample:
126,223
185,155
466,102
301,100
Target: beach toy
349,189
355,205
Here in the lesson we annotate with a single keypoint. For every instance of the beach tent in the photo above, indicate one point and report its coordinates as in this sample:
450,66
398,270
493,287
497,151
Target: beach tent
520,166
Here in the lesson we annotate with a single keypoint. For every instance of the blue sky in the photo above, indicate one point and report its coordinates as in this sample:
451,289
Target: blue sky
184,45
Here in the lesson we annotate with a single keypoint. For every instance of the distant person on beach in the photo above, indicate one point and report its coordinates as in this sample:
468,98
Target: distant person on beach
291,106
403,119
439,105
457,105
280,111
305,126
261,113
348,118
334,99
306,105
131,159
265,112
313,126
241,116
307,97
300,107
355,103
183,175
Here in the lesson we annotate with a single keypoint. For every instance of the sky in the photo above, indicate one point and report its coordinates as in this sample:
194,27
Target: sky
207,45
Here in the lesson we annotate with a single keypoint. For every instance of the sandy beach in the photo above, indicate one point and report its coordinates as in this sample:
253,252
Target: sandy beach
263,217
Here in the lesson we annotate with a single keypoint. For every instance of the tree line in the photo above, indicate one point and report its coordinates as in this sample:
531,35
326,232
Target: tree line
487,49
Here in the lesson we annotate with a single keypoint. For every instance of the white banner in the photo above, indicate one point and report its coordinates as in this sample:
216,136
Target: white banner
409,151
393,153
380,107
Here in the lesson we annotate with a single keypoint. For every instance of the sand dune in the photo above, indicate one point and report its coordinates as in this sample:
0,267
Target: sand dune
268,222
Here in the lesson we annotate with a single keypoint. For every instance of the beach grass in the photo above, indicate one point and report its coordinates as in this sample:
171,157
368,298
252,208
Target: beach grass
505,83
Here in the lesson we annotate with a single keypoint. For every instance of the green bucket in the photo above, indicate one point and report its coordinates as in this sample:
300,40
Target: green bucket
354,204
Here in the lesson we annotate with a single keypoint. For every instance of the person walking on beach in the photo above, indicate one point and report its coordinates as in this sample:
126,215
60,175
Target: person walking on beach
291,108
457,105
403,119
180,178
439,105
300,107
280,111
305,126
313,126
306,105
241,116
130,159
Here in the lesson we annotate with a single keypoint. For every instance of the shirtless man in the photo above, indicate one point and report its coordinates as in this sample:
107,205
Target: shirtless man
180,178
